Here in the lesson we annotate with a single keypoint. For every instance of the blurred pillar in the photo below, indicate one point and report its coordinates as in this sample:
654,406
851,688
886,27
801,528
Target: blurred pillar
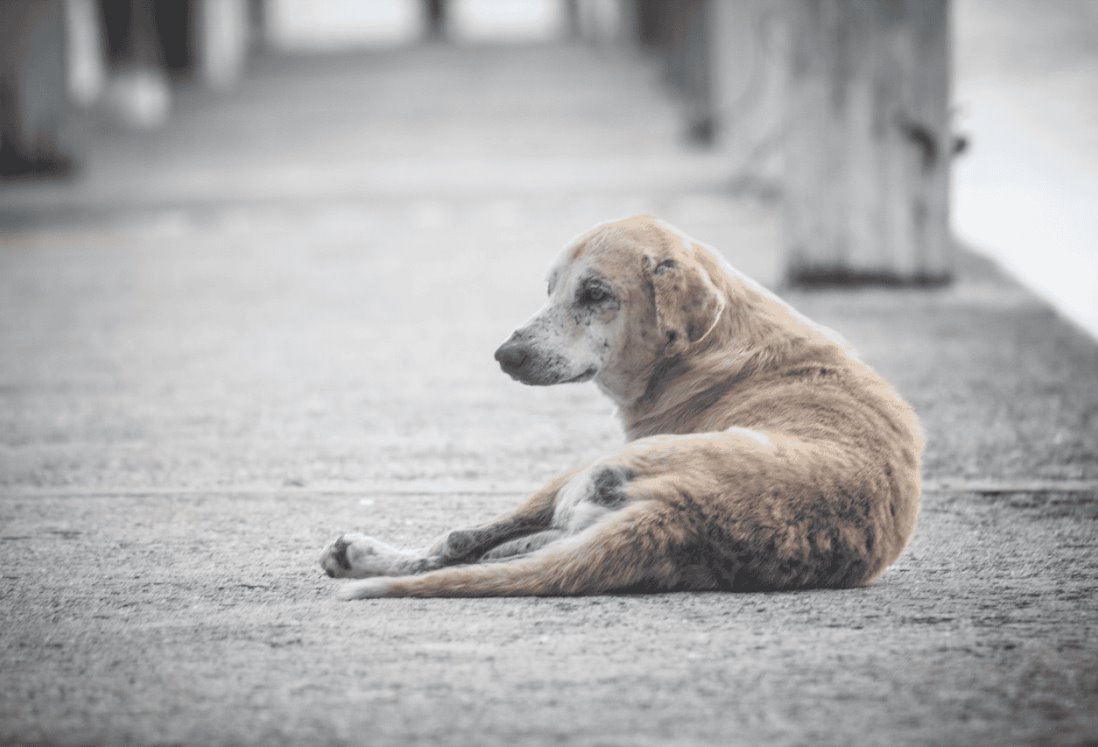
258,19
33,104
677,32
434,18
748,66
867,141
221,38
146,33
690,61
573,27
85,58
140,44
206,40
653,23
597,21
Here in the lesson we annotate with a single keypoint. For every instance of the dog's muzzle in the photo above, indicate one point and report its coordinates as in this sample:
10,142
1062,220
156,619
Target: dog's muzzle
514,358
524,362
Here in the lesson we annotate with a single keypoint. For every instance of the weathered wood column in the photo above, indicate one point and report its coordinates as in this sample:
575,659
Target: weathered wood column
867,142
33,105
598,21
221,39
677,32
434,19
749,62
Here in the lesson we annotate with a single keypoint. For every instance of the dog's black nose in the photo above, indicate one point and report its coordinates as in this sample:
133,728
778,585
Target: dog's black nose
512,356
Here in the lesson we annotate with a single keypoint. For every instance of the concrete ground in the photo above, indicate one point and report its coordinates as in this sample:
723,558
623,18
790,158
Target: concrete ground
226,342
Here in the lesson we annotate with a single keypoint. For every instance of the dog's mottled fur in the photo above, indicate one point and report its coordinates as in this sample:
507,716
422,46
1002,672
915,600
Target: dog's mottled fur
762,454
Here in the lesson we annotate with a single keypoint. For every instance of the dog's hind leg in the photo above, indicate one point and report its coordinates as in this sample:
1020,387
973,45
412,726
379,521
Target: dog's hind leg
640,545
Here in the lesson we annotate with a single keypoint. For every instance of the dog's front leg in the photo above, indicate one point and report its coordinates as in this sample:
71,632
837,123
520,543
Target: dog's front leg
355,555
534,515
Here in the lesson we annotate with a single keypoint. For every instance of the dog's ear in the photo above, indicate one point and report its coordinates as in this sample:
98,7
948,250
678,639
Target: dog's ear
688,305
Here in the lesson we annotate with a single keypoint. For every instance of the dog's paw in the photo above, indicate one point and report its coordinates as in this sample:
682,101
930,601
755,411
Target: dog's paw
355,555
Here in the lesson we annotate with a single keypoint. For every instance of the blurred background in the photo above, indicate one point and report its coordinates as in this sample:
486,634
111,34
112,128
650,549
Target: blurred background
258,100
224,221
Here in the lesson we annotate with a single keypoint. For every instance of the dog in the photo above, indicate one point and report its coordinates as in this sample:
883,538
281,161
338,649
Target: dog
761,453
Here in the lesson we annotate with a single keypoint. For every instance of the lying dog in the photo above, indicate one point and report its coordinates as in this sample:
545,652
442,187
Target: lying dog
762,454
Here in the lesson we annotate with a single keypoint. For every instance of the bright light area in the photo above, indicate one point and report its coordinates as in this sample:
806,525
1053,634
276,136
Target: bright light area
1026,193
505,20
336,24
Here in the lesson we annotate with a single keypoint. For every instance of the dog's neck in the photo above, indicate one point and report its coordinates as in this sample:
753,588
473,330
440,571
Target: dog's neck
757,334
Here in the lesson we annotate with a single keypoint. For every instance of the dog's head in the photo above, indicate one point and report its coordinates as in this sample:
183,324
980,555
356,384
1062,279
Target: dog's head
621,298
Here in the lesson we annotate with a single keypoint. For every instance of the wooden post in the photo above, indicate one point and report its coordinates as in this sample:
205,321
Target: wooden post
692,56
867,142
653,23
573,21
33,105
138,93
86,63
434,19
748,59
221,40
677,32
601,22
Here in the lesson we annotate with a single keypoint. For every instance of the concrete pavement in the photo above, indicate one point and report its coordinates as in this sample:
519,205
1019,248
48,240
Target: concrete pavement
273,321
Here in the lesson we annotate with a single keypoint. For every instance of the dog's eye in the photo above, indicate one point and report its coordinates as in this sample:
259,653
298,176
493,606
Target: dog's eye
593,294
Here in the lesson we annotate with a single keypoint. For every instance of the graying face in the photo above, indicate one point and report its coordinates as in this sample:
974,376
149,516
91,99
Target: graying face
576,334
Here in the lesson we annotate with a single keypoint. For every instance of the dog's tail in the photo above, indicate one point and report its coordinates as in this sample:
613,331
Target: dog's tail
634,546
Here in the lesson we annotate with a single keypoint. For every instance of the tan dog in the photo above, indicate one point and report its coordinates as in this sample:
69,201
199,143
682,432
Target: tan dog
761,454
